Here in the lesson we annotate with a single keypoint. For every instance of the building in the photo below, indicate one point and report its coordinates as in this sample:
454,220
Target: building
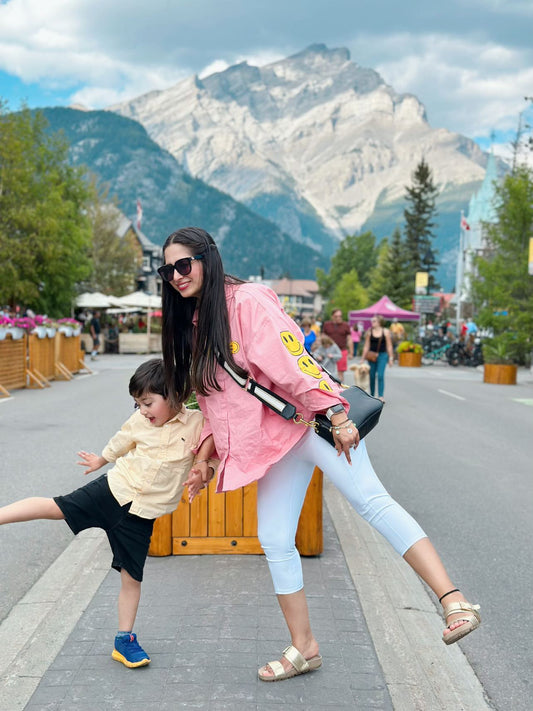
147,279
473,241
299,297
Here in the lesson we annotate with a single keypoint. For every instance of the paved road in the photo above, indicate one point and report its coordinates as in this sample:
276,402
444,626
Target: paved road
464,454
40,433
453,451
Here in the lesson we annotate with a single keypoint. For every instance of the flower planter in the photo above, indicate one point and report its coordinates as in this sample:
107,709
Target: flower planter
3,333
40,331
410,360
499,374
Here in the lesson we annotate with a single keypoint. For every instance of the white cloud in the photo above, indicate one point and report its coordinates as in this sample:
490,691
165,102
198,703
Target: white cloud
468,85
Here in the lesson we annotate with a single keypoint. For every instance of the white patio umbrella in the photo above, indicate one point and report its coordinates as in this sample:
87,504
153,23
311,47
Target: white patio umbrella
140,300
94,300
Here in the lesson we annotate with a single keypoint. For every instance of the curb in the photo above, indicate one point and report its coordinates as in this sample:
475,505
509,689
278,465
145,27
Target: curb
420,671
38,626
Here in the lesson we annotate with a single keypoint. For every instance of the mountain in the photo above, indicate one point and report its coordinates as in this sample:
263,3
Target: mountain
122,155
315,143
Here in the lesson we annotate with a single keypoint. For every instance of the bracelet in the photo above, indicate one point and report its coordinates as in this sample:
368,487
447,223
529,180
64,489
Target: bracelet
342,423
199,461
344,427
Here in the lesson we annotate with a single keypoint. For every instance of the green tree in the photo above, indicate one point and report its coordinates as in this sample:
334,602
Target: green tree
114,258
502,288
44,227
391,275
349,294
355,252
419,224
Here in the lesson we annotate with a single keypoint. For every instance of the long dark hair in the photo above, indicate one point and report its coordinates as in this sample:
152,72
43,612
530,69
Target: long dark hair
191,360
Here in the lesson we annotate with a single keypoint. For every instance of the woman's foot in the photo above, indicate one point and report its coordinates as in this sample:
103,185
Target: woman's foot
382,399
311,655
461,617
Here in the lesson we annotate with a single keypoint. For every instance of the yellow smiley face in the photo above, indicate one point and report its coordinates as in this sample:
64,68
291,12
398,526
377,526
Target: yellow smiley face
309,367
234,347
291,343
322,385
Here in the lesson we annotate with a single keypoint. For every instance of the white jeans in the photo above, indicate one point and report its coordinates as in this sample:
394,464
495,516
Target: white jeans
281,493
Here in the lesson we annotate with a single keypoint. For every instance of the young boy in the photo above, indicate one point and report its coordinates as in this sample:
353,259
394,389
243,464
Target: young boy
152,455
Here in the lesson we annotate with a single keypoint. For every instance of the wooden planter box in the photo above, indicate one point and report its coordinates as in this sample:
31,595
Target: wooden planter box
13,373
138,343
227,523
68,355
41,357
499,374
410,360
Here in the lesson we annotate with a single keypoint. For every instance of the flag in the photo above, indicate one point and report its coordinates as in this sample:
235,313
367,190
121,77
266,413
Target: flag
464,223
139,214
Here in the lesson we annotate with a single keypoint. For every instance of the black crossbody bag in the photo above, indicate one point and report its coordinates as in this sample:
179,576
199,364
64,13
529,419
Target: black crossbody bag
365,410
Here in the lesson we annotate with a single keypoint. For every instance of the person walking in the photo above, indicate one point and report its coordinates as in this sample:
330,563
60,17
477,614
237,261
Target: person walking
377,351
152,456
211,318
339,331
95,330
309,334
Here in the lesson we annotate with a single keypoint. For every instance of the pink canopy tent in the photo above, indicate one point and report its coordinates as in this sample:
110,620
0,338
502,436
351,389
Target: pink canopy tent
384,307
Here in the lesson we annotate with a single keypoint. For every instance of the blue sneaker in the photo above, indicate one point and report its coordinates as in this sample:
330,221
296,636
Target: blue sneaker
129,651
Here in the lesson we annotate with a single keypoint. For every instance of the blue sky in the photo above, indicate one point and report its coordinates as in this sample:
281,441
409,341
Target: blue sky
470,62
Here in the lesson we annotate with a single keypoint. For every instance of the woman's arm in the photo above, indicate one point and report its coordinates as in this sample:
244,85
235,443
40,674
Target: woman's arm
366,346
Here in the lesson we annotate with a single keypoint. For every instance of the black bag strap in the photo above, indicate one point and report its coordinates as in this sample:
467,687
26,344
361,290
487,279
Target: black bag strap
275,402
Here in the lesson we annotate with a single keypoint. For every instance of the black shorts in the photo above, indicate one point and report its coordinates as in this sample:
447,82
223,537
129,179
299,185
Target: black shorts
94,506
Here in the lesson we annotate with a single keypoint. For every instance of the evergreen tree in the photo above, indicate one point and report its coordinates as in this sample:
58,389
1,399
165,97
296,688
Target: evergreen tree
355,252
391,275
502,289
419,224
44,228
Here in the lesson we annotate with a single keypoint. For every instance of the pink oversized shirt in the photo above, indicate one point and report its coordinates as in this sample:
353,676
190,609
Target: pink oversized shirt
249,437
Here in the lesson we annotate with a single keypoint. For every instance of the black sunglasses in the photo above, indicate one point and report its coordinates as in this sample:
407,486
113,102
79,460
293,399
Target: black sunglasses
182,266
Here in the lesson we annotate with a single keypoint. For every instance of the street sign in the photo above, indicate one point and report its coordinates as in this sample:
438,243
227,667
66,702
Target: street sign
426,304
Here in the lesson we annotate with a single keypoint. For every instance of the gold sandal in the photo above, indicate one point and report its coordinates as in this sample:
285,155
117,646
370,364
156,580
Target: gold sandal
471,620
300,665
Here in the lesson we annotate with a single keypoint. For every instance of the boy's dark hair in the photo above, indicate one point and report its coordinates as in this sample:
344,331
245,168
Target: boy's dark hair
149,378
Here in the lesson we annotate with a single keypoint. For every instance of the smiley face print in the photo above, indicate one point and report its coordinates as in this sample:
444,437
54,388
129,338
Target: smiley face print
308,366
291,343
323,385
234,347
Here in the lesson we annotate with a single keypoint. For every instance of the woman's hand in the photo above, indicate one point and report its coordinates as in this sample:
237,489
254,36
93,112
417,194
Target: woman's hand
91,461
345,435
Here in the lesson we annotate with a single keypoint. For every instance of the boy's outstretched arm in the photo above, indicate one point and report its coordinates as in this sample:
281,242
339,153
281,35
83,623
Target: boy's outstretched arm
92,461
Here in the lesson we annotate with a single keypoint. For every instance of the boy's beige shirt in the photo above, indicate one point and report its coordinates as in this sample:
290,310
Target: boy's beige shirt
151,463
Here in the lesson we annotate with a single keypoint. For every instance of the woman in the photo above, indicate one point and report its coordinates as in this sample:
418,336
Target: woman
209,316
378,341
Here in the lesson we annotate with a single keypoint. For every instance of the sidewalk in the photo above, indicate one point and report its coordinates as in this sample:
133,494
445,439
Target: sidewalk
209,622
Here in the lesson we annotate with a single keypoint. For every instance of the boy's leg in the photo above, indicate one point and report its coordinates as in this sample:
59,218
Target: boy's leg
128,601
30,509
127,650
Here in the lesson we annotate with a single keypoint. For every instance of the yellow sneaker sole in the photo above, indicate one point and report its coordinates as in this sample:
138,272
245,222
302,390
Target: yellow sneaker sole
131,665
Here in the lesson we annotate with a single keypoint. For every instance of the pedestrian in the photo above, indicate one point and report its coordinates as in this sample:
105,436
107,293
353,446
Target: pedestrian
327,353
210,318
339,331
95,330
355,334
377,351
309,334
152,455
